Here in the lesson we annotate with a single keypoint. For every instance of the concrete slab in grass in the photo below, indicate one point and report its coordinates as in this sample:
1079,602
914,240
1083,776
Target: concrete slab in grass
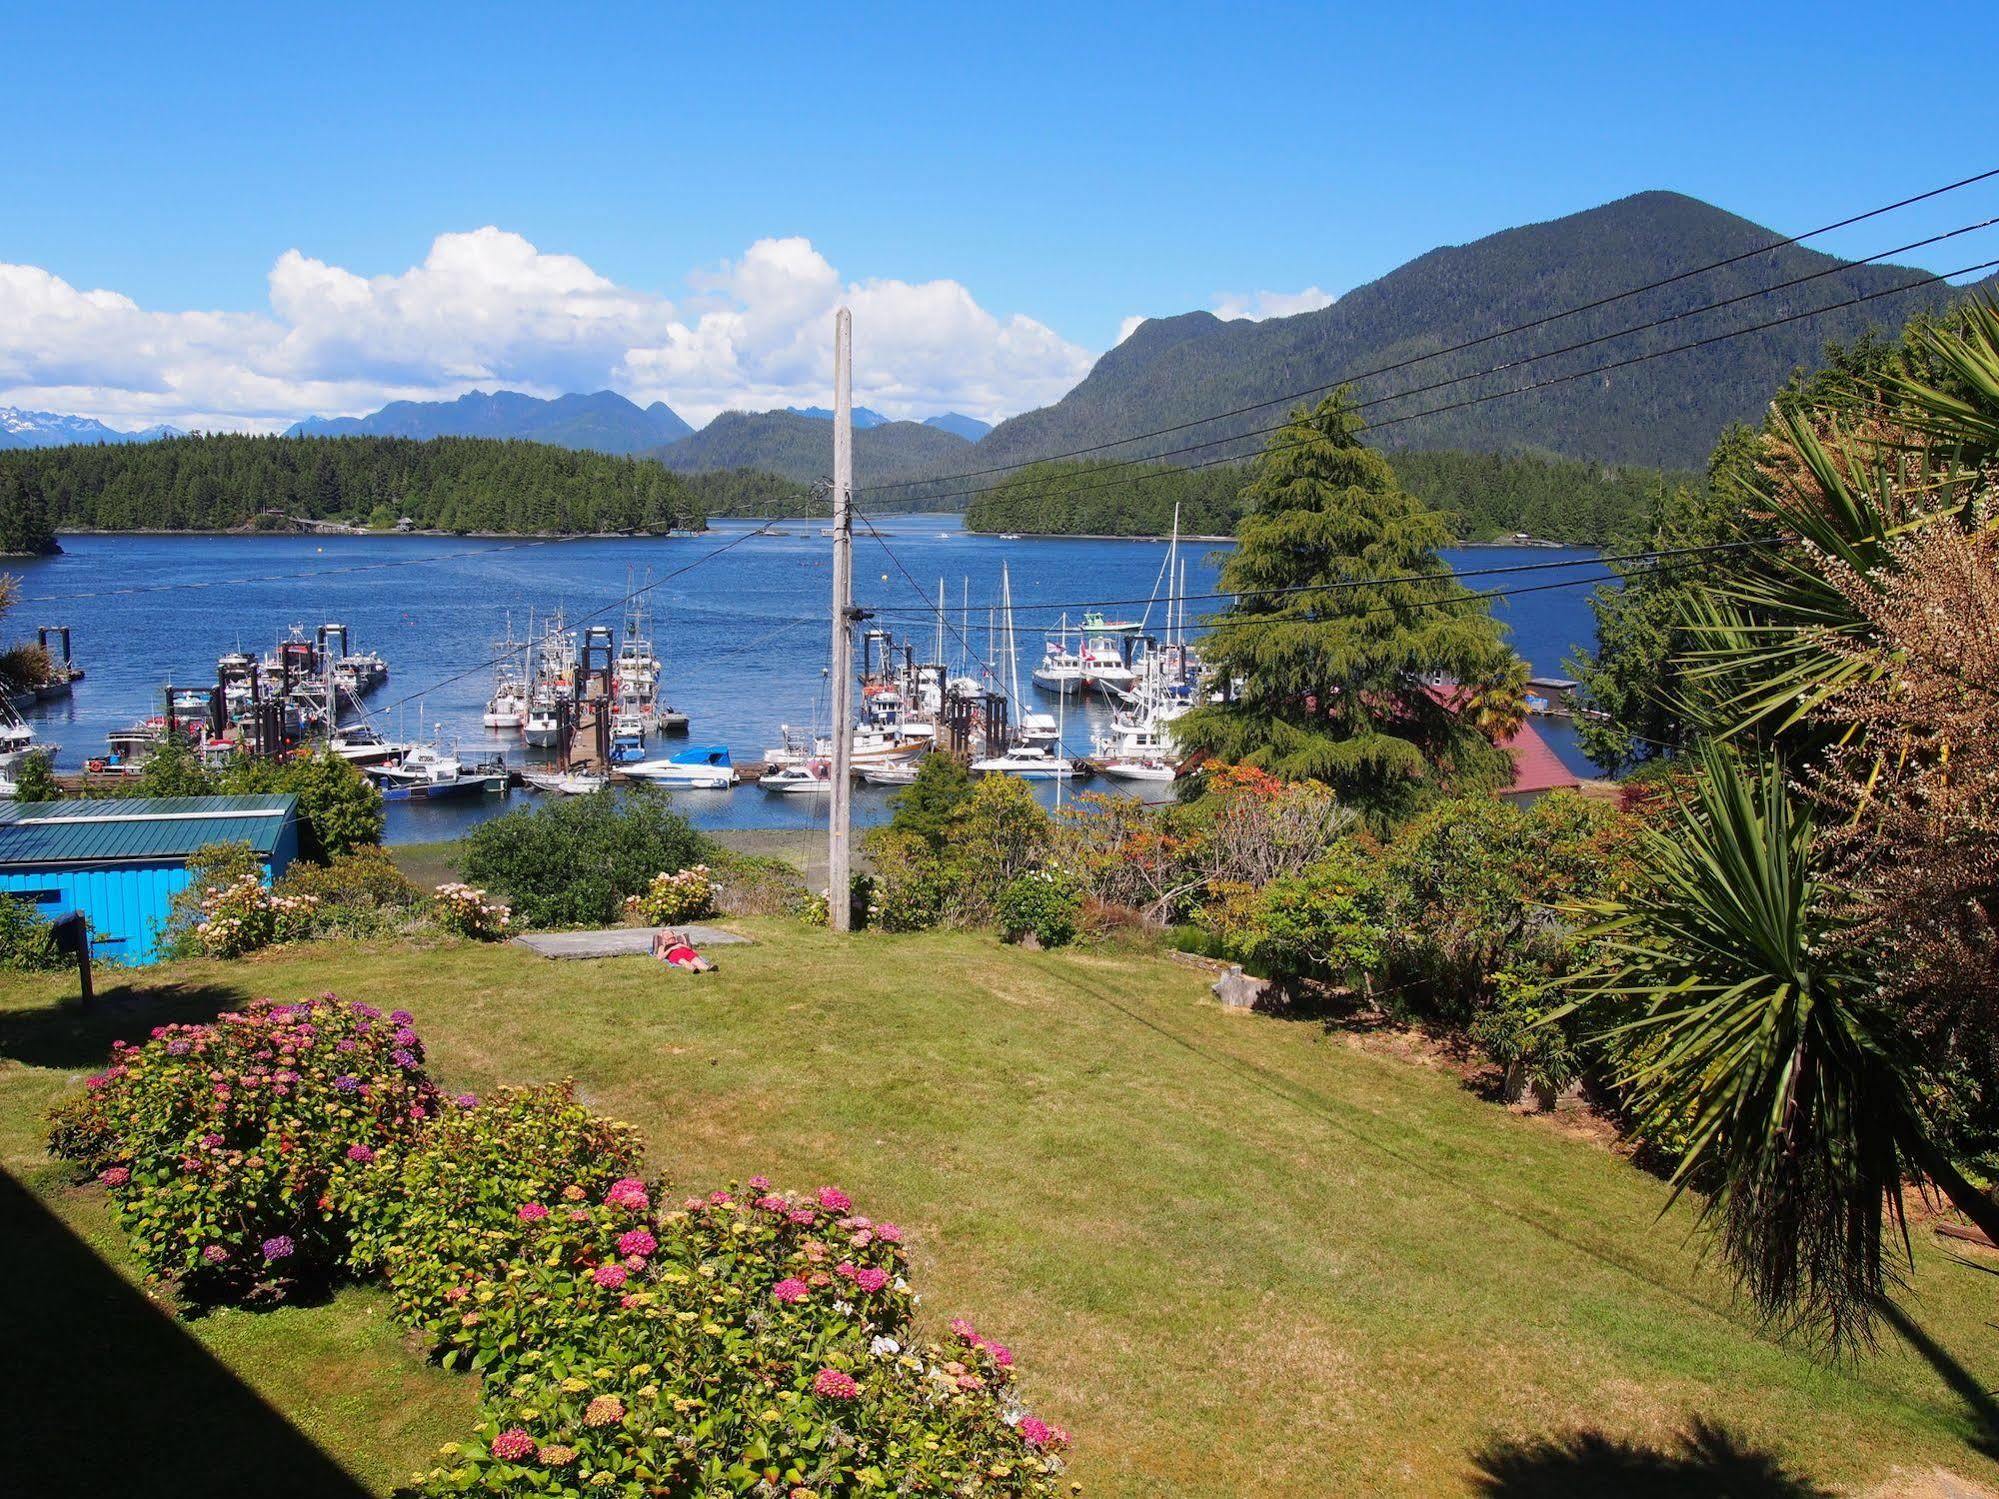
617,942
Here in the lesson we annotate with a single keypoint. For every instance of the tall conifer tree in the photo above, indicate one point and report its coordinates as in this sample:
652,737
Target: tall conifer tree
1340,684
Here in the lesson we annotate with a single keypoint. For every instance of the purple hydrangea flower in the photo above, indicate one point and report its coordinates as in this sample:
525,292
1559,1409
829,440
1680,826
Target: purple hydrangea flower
347,1083
278,1248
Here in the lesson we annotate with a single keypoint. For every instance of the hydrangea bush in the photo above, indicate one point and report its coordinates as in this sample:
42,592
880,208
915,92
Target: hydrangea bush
466,912
751,1342
245,915
671,899
1044,904
629,1342
219,1143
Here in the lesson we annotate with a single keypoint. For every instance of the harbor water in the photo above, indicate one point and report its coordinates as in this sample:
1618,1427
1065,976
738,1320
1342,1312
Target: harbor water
742,635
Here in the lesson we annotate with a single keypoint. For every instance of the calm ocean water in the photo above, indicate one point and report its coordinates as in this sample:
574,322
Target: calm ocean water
743,637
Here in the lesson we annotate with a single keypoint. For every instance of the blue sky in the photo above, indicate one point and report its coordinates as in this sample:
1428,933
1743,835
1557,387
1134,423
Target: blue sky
1073,166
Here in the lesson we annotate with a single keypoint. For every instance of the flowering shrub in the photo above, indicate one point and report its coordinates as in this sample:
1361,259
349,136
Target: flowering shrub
1043,903
464,1194
911,889
245,915
671,899
219,1142
465,912
739,1343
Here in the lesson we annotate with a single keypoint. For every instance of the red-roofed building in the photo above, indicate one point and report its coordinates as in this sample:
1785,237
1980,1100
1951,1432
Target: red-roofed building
1537,769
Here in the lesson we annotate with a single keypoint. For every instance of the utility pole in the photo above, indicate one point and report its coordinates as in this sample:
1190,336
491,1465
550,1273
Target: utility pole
839,900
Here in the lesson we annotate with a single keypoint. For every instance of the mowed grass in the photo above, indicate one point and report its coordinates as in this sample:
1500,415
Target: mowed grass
1233,1254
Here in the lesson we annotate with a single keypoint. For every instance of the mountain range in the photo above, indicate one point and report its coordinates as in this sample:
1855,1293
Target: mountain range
604,422
1419,345
51,429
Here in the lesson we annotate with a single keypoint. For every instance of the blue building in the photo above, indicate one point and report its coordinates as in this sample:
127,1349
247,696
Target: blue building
122,862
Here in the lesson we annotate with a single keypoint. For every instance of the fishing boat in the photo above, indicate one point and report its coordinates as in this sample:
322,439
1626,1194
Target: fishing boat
1029,762
810,778
1105,668
699,767
1061,669
628,737
566,782
17,740
543,724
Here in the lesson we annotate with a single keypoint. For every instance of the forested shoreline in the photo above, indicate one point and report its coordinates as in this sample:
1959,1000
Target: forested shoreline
1483,496
231,482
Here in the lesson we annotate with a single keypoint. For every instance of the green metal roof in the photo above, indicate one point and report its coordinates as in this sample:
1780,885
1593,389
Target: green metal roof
138,828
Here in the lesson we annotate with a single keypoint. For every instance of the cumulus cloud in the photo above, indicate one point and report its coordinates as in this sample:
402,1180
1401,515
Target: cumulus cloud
488,308
1258,305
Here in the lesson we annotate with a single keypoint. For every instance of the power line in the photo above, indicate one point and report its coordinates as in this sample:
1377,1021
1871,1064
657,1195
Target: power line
1532,386
1527,359
1449,575
1539,322
881,541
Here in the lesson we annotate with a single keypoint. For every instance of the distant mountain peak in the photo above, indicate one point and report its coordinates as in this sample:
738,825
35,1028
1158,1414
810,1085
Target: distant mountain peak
863,417
20,428
959,425
602,421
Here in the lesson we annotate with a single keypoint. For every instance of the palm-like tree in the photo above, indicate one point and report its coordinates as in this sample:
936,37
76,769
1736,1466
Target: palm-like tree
1755,1019
1757,1034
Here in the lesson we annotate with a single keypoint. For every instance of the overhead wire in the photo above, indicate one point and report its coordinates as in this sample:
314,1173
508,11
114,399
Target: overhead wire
1473,343
1553,380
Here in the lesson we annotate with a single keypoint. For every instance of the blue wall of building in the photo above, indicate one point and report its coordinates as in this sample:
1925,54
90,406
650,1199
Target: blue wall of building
126,905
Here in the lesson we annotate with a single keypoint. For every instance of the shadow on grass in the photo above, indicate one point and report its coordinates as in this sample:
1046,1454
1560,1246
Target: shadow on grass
1705,1460
1978,1400
105,1395
69,1034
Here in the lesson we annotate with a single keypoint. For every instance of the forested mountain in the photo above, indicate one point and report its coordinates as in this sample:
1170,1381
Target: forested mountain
801,447
1664,413
604,422
1483,496
454,484
48,429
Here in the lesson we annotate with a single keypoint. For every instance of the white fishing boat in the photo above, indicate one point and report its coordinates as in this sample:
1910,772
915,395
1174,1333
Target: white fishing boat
1105,668
1029,762
543,725
566,782
17,740
811,778
428,773
699,767
1061,668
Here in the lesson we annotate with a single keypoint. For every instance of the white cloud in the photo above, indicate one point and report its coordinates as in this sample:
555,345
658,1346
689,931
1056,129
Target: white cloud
1258,305
488,309
1129,326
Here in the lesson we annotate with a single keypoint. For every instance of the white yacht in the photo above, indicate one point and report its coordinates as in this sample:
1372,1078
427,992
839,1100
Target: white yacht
699,767
1030,763
808,778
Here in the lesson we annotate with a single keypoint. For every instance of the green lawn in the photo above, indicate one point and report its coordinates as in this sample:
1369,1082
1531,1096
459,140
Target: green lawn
1235,1255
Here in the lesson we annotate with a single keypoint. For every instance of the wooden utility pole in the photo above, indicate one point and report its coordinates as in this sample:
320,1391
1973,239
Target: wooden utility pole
839,900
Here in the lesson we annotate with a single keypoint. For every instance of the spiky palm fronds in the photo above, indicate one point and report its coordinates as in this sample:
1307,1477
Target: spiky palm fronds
1748,1029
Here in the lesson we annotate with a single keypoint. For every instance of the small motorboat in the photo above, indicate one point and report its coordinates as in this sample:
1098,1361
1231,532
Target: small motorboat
566,782
1139,768
896,774
360,744
808,778
700,767
429,774
1030,762
543,725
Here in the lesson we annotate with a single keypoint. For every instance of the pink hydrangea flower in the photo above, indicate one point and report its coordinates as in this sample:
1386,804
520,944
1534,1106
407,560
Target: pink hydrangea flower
531,1212
1000,1354
870,1279
719,1198
611,1276
772,1204
759,1183
513,1445
115,1176
845,1268
834,1385
215,1254
1035,1432
962,1328
802,1215
835,1199
888,1233
790,1289
628,1192
637,1241
360,1154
